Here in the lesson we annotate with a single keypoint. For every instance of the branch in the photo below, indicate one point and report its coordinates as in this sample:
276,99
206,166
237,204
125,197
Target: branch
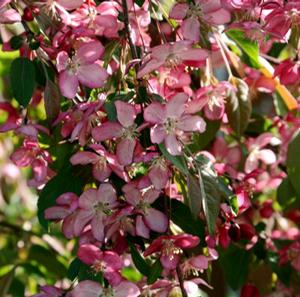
180,279
127,30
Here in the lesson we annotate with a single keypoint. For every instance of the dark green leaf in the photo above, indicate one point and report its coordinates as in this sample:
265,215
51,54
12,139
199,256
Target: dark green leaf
178,161
194,196
201,140
155,272
22,80
139,262
238,107
17,288
52,100
234,262
48,259
209,194
280,107
250,48
74,269
293,162
286,195
139,2
64,181
182,217
16,42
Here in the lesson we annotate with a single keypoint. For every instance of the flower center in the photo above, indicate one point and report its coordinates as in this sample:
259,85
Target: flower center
173,60
194,11
170,250
98,266
103,208
108,292
130,132
170,125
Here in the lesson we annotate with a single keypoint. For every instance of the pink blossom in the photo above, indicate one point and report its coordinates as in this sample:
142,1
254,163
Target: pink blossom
171,248
257,153
148,217
125,130
13,119
200,11
288,72
89,288
7,14
211,100
171,55
50,291
103,162
107,262
170,122
95,207
82,67
159,173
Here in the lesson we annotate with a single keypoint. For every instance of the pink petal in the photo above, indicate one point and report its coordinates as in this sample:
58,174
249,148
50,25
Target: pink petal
155,113
191,29
87,288
176,106
10,16
133,196
251,163
150,66
178,11
112,260
84,158
107,193
193,54
191,123
88,198
68,84
56,213
125,150
151,195
158,133
101,171
97,225
172,145
267,156
81,219
92,75
90,52
141,229
106,131
159,177
218,17
156,220
200,262
127,289
70,4
89,253
126,113
170,261
62,61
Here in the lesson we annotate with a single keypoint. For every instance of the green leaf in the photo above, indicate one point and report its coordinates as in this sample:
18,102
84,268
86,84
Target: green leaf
48,259
178,161
155,272
234,205
194,196
280,107
286,195
74,269
17,288
64,181
293,162
239,107
139,2
22,80
182,217
234,262
201,140
209,194
249,48
52,100
139,262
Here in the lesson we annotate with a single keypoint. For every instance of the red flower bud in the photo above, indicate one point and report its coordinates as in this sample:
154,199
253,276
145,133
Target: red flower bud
27,15
249,290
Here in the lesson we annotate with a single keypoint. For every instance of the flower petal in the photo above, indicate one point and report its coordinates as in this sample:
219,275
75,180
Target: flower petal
90,52
172,145
92,75
191,123
176,106
156,220
106,131
155,113
87,288
126,113
68,84
125,150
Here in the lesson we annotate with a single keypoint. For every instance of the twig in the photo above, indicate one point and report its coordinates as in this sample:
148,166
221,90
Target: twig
180,279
